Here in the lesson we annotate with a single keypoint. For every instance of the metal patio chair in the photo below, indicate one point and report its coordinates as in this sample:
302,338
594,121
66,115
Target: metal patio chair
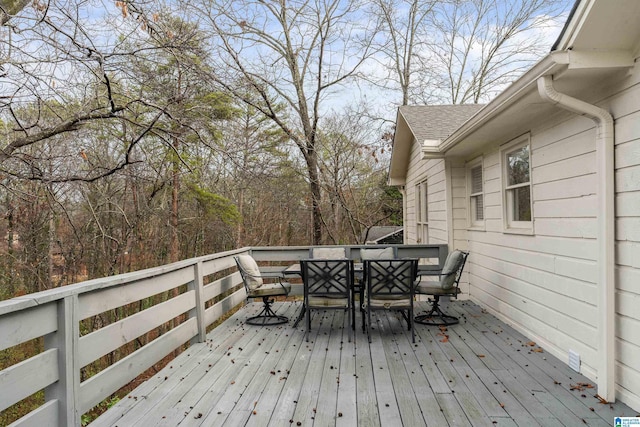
447,285
390,285
328,285
256,288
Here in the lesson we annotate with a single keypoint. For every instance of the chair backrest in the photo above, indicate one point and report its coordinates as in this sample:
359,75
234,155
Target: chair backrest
452,269
327,278
328,253
390,278
378,253
249,271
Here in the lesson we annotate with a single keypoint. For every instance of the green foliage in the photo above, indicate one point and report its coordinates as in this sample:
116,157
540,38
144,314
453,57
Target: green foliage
392,204
214,206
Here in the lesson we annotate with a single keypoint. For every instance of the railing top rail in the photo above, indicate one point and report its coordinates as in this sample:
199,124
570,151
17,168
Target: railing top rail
39,298
43,297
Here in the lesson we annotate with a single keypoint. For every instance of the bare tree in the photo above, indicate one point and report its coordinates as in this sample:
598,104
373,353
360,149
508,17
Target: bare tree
286,59
459,51
479,46
403,24
63,77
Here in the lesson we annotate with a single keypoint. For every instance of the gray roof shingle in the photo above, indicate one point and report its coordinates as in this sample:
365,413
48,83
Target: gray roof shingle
436,121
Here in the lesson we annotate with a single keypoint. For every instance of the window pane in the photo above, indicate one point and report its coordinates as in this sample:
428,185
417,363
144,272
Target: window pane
479,208
521,204
518,166
476,180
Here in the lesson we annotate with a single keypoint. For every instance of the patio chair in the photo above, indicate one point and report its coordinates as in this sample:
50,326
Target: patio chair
390,285
328,253
378,253
369,254
447,285
327,285
255,287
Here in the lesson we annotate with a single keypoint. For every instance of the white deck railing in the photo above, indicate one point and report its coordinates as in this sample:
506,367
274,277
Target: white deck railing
55,315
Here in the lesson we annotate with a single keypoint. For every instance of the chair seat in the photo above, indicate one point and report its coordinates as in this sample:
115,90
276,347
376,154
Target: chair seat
315,301
270,289
434,288
389,302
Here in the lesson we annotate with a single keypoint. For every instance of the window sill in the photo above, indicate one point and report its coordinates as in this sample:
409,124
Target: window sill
522,231
476,228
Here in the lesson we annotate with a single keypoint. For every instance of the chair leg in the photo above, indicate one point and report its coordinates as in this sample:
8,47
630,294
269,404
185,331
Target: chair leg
435,316
266,317
300,316
308,315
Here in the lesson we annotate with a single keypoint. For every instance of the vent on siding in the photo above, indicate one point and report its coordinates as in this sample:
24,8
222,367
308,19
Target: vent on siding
574,360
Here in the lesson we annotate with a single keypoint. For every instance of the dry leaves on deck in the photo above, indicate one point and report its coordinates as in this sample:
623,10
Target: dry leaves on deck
445,337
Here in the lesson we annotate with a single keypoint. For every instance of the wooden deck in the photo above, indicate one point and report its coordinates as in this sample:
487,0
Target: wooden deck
477,373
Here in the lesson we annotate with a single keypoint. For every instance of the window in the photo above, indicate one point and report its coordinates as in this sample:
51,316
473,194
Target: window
422,213
476,194
517,185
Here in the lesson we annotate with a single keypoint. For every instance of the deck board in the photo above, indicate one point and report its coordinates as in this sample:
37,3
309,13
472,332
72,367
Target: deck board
479,372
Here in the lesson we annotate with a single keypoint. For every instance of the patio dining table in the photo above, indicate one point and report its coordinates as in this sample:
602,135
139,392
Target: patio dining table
358,285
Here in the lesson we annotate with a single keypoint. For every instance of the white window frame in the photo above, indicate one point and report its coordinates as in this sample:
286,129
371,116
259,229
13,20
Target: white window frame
474,221
422,212
510,224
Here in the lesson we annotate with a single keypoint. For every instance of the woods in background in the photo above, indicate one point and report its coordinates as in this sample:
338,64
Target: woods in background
136,133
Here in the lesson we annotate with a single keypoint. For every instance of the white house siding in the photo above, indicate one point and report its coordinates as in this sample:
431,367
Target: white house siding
434,172
545,284
626,110
530,281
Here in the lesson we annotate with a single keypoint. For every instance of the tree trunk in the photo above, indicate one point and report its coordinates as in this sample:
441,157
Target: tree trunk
174,246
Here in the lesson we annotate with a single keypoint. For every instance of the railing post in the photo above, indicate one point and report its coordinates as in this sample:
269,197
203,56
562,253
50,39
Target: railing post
65,340
198,286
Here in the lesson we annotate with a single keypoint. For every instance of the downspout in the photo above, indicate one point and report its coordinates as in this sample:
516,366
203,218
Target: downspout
606,228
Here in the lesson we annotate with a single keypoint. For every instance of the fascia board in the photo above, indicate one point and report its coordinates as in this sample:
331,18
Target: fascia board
402,140
550,64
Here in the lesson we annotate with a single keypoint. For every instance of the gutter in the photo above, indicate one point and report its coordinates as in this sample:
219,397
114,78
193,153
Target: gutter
606,228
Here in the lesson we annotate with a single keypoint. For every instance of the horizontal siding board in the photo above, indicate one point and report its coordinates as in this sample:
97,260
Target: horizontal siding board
627,204
568,127
580,186
627,304
575,166
567,227
581,207
627,279
574,146
549,328
574,248
107,299
585,271
27,377
493,199
22,326
628,228
548,305
629,329
628,179
101,385
628,254
627,377
109,338
628,154
627,128
560,287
